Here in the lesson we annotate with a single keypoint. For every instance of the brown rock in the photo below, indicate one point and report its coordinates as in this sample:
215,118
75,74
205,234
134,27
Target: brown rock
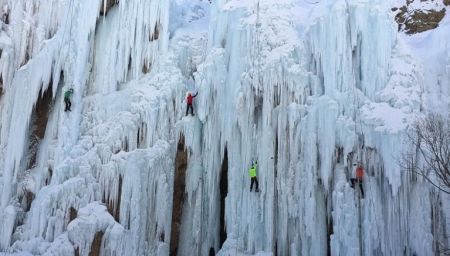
109,5
419,21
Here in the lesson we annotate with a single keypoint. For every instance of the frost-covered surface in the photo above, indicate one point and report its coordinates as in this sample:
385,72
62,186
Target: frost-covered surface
307,89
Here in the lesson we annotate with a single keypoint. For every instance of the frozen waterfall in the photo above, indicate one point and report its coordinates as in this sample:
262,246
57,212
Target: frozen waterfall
308,89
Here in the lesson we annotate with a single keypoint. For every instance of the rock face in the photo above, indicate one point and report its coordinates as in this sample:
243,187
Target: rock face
412,19
108,5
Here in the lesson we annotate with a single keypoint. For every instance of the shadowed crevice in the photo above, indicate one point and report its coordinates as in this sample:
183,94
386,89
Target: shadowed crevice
181,163
223,195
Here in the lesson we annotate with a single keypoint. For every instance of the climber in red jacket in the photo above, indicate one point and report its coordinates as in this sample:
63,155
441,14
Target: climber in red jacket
189,100
359,178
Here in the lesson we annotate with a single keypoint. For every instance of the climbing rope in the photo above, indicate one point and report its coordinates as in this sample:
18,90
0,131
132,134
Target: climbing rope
26,176
308,2
201,216
359,224
357,103
358,121
68,17
258,43
256,59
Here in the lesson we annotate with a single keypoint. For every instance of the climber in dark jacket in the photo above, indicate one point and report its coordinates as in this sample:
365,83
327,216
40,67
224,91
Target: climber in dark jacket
67,96
189,100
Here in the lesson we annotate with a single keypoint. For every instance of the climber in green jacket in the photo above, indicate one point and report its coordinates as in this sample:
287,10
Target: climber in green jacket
252,174
67,96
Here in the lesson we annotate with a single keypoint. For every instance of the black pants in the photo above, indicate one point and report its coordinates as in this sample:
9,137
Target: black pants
254,180
353,181
68,104
189,106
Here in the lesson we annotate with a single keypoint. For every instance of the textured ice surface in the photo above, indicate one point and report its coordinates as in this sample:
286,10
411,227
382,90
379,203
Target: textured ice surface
306,88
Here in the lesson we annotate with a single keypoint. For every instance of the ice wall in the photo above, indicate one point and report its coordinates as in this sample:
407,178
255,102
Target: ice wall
61,44
309,98
308,89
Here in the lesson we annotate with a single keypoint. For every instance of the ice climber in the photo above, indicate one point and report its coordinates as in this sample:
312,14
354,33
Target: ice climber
189,100
358,179
252,174
67,96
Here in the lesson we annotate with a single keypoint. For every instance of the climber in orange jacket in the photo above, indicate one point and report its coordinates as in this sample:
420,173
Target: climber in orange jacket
358,179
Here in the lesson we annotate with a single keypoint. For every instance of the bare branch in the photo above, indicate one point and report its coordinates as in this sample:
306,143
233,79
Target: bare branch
429,181
430,137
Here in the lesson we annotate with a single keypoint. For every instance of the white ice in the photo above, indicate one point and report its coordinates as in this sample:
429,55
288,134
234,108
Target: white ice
306,88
